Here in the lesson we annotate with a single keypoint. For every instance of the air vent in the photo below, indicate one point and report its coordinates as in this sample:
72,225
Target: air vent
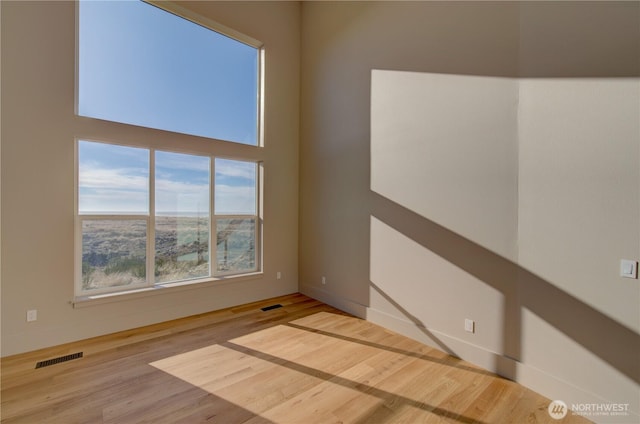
268,308
54,361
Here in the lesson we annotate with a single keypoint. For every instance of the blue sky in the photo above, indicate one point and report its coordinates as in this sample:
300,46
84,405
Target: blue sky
144,66
115,179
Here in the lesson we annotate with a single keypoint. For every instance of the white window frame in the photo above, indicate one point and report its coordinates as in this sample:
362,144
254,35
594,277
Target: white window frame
257,219
101,133
150,219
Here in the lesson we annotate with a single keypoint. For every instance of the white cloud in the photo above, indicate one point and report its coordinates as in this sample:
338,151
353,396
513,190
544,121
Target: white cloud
125,190
113,190
182,162
173,196
235,200
113,201
236,169
122,178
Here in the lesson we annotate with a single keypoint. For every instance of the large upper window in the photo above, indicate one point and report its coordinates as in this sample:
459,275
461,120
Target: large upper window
156,210
141,65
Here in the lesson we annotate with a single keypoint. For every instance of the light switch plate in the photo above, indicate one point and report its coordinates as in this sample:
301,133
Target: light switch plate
628,268
469,326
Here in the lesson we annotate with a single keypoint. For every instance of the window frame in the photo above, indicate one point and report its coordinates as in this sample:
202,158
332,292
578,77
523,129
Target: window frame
150,219
197,19
152,139
257,218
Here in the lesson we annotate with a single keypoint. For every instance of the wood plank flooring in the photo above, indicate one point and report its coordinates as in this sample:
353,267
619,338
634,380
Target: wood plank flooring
303,363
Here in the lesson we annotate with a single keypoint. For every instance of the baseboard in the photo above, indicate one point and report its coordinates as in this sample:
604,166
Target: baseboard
345,305
530,377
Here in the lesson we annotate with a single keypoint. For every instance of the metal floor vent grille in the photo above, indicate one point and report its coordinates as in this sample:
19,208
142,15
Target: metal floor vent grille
58,360
268,308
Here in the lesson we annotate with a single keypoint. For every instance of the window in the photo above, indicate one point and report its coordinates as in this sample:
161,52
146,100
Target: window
155,210
113,206
236,215
182,187
144,217
141,65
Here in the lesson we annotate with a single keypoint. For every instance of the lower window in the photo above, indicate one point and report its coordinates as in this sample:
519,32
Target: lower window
114,253
236,241
144,217
182,248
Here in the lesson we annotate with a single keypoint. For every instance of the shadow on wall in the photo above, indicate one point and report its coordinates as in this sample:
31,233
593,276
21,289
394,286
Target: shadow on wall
579,321
454,202
457,202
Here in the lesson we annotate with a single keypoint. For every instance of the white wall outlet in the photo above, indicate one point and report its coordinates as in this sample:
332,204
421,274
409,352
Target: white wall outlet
278,275
628,268
469,326
32,315
324,280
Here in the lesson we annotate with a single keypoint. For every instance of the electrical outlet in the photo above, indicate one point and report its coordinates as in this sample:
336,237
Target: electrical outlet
278,275
469,326
324,280
32,315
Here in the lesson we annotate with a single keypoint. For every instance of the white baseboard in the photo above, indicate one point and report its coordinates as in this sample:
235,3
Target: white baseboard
530,377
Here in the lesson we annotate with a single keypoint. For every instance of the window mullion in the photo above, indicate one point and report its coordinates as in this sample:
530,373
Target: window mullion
259,215
213,230
151,220
78,246
78,252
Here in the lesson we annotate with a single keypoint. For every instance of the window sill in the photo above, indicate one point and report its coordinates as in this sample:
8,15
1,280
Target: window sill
159,289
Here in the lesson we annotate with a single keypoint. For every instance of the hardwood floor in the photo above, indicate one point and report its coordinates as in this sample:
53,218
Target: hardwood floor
303,363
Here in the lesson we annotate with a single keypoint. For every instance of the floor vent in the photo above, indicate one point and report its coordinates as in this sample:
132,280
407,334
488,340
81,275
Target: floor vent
58,360
268,308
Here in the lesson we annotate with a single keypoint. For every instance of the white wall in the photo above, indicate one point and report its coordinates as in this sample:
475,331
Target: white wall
548,182
444,147
579,214
38,131
342,43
